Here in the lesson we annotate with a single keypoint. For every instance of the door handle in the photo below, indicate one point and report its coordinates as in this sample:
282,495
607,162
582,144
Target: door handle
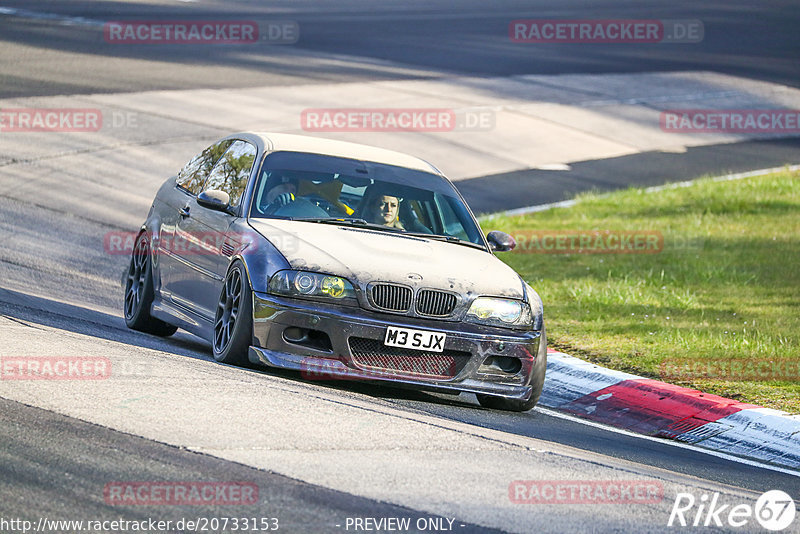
184,211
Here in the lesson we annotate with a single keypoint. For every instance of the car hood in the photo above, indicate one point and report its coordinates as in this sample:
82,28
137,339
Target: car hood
363,256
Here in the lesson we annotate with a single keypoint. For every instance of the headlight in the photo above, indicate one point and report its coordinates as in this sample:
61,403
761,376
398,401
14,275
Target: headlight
499,312
307,284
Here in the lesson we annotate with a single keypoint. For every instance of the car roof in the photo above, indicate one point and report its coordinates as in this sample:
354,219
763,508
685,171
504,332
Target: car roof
342,149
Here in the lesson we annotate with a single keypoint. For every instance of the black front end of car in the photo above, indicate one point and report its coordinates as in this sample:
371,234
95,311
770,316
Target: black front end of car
326,341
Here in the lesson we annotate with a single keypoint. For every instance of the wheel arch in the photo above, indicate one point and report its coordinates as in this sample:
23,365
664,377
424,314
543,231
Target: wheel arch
261,258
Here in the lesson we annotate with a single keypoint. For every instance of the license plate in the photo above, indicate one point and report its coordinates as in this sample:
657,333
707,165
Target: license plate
414,339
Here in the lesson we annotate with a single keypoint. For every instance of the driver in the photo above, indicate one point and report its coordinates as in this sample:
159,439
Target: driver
281,194
385,210
324,195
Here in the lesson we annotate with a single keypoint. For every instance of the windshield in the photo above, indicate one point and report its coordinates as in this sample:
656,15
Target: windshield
299,186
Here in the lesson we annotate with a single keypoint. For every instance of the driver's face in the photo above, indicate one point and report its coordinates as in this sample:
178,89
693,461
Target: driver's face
386,208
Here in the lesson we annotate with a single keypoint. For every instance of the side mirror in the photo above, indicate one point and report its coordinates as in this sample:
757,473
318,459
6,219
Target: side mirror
500,241
214,199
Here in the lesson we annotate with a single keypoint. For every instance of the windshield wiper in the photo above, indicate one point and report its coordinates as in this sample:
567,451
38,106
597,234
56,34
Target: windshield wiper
352,221
332,220
448,238
345,221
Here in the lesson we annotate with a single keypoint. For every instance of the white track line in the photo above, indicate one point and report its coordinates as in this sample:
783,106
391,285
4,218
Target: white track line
725,456
38,15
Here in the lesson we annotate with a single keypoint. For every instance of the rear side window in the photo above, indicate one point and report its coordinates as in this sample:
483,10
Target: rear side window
193,175
231,172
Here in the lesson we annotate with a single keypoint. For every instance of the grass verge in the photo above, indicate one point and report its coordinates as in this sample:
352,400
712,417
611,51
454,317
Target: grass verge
711,300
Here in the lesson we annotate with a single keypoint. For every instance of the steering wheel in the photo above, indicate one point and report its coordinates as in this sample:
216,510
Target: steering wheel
331,208
302,207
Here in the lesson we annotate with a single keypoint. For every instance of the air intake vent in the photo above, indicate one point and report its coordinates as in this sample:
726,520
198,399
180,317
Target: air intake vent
435,303
373,355
391,297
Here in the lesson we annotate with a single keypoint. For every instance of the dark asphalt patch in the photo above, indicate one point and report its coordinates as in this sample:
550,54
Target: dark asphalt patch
531,187
56,467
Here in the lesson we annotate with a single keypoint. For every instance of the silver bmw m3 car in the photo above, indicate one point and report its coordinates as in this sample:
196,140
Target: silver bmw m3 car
341,261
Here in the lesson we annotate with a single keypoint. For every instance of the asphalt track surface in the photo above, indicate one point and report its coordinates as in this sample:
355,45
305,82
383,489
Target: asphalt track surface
752,39
44,452
61,293
58,48
56,467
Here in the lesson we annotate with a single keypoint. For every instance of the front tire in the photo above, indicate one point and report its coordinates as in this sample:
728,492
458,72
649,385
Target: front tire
233,322
537,383
139,293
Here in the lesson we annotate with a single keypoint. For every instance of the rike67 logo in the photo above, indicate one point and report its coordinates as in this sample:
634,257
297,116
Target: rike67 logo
774,511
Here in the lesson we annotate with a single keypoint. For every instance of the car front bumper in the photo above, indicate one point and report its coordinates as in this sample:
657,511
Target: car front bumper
335,342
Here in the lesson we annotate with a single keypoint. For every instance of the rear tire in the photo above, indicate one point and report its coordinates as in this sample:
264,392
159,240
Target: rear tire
537,383
233,322
139,293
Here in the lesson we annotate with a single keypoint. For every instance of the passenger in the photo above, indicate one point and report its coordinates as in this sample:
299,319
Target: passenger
385,210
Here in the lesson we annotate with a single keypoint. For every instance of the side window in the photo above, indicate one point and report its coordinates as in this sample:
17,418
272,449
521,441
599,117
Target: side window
194,173
231,172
